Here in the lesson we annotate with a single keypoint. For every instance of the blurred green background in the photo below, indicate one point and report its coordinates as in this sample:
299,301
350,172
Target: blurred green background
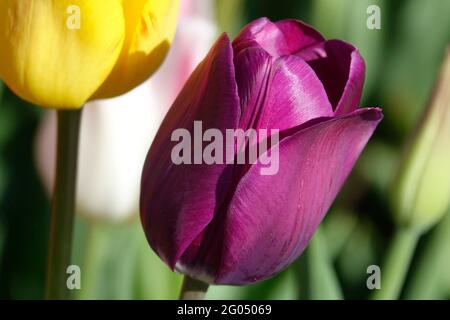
402,59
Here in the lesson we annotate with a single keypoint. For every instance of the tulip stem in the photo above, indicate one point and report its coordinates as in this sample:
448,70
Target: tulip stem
396,265
193,289
63,205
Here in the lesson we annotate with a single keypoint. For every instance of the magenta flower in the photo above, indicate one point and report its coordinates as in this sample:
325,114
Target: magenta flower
228,223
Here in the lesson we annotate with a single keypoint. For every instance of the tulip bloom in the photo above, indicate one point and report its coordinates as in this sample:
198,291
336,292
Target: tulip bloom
227,223
115,132
60,54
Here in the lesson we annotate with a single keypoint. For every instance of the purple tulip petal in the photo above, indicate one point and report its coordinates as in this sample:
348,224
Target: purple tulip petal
278,39
178,201
341,69
253,67
261,235
265,85
295,86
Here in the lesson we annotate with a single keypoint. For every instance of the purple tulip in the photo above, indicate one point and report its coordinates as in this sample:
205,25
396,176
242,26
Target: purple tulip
227,223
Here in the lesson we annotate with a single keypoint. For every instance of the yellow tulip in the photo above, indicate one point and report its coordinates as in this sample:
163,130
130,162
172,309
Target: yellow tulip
62,53
150,28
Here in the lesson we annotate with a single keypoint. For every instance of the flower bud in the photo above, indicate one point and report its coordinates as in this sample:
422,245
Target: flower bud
421,190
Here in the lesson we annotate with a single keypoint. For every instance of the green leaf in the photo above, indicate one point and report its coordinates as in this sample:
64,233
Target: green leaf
337,229
358,253
319,277
431,275
153,279
109,262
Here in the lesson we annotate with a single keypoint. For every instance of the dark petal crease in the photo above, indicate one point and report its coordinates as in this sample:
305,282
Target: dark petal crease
341,69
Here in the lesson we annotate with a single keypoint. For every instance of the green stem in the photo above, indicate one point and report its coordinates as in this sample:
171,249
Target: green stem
396,265
193,289
63,205
319,277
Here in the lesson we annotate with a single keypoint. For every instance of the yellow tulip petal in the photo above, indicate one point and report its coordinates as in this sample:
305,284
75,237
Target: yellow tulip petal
150,27
57,53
